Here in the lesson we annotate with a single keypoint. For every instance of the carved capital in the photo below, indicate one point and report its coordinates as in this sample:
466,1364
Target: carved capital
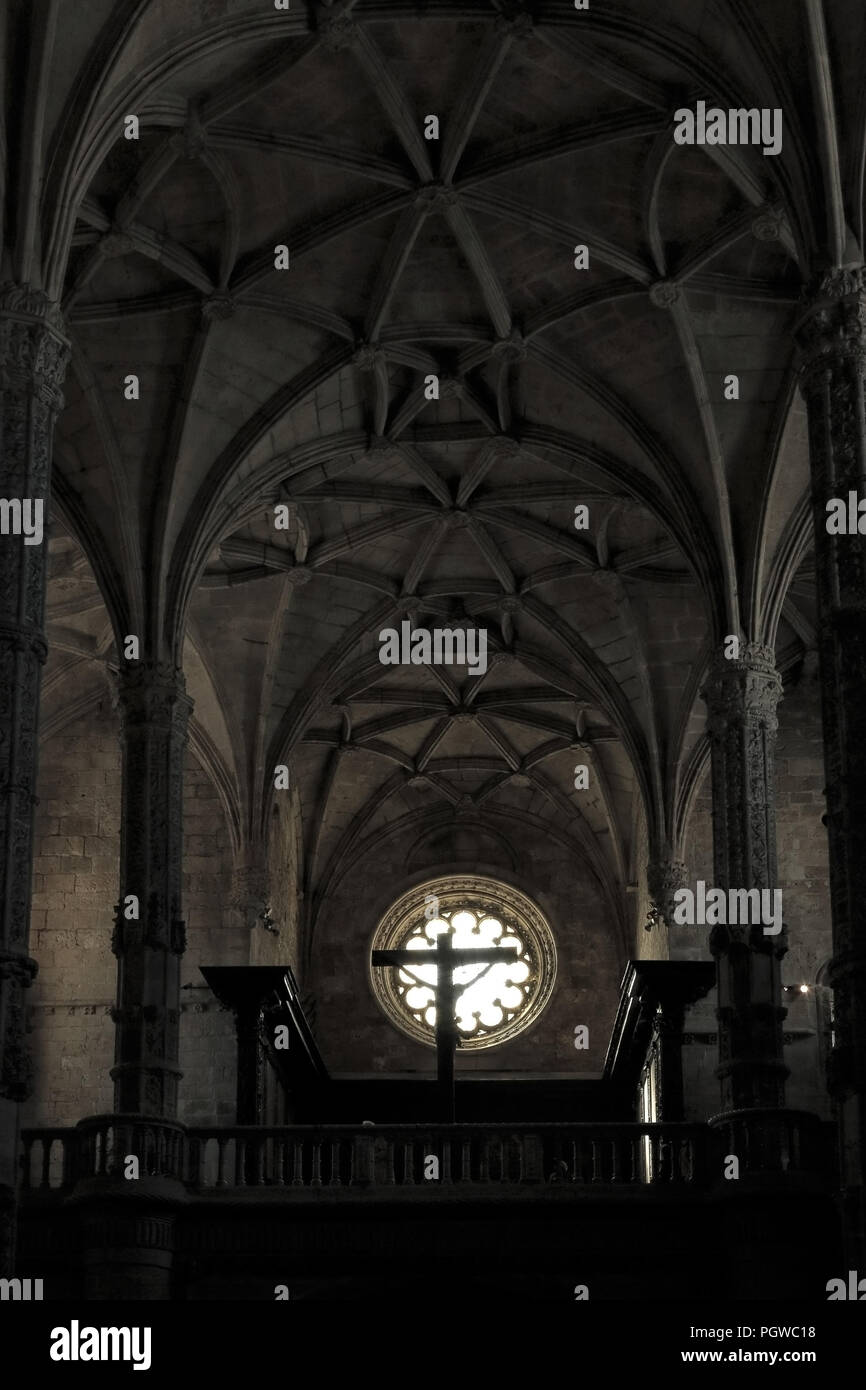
34,351
250,893
831,333
26,302
747,689
153,694
664,877
835,285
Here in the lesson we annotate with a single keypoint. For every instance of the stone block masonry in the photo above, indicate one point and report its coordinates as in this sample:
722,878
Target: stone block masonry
71,1034
75,889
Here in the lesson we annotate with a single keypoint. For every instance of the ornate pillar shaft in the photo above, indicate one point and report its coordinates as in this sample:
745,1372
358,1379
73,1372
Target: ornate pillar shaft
832,340
154,714
33,359
741,697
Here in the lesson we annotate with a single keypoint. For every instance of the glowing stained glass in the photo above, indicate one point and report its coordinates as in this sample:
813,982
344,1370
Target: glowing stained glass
491,994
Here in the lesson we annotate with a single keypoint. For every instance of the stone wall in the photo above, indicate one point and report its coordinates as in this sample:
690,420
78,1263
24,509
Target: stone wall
353,1032
75,889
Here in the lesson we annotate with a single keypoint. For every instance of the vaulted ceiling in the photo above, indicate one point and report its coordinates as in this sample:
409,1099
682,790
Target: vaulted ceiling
411,258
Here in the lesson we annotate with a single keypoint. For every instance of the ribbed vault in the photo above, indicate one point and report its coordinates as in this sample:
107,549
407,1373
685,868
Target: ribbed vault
557,386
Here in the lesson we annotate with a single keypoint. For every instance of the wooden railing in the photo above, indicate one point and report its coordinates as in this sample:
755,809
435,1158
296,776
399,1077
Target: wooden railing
382,1158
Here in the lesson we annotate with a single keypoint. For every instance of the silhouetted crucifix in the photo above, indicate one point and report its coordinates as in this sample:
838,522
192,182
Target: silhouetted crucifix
446,960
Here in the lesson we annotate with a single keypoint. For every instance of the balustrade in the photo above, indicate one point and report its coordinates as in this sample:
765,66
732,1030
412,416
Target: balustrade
348,1159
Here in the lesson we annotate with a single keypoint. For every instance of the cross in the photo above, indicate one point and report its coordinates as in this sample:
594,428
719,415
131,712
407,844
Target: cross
446,960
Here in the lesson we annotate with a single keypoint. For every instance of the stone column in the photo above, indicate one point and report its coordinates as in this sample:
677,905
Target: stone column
33,359
741,697
832,339
154,714
128,1227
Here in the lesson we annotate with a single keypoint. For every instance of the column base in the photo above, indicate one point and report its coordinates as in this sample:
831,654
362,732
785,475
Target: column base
772,1144
127,1238
779,1244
